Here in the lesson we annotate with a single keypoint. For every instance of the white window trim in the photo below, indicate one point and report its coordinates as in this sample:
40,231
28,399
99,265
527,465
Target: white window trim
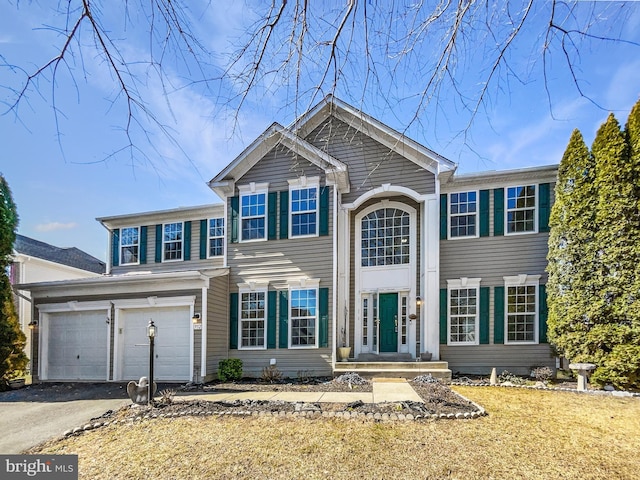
164,260
298,184
254,189
120,256
520,281
209,237
449,215
304,284
456,284
535,209
253,287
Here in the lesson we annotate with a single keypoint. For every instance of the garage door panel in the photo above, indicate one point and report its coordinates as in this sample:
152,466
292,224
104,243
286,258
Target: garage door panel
172,346
77,345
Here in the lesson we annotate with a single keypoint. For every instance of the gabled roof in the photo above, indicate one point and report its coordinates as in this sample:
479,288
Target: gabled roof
392,139
71,257
223,183
337,172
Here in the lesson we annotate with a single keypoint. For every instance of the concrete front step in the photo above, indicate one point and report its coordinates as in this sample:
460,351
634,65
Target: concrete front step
407,370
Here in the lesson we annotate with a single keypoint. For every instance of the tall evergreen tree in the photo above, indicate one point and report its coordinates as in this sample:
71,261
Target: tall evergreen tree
618,182
571,248
12,340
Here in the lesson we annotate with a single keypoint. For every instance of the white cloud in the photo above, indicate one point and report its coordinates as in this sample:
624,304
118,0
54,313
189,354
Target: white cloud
54,226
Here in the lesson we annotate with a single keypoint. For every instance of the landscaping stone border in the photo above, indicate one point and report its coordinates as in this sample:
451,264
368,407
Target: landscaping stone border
613,393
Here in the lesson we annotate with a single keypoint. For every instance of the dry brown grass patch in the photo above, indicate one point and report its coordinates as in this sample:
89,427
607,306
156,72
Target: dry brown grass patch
528,434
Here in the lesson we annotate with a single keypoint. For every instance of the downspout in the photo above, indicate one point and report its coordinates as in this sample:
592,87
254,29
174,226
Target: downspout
203,332
334,309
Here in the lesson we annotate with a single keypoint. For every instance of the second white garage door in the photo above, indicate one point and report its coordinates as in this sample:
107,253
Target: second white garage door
172,344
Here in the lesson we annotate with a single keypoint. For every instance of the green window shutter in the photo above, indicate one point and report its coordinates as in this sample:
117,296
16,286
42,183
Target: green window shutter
484,315
284,319
272,209
323,308
498,212
443,316
187,241
324,211
235,218
204,235
542,316
158,243
272,297
498,315
115,247
484,213
143,245
233,320
443,216
284,214
544,207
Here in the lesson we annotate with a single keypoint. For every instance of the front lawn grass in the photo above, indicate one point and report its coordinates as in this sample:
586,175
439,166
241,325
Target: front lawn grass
528,434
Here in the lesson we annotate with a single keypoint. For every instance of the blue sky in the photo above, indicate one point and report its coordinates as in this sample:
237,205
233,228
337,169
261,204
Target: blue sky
62,183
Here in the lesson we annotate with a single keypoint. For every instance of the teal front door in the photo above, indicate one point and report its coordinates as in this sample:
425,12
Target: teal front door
388,322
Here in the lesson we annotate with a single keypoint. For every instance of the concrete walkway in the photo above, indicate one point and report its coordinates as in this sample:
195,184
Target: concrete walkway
384,390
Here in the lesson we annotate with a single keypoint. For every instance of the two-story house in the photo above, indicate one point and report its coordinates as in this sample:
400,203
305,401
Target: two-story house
337,230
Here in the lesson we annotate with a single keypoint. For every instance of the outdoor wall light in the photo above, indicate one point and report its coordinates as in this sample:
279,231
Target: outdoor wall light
418,301
196,318
32,325
152,330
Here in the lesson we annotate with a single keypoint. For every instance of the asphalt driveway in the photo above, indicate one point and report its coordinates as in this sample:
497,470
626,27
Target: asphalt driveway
34,414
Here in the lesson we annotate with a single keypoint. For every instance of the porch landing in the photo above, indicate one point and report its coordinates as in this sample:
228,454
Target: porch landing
396,369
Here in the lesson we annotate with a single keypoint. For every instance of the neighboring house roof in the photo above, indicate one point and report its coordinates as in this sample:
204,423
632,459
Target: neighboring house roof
71,257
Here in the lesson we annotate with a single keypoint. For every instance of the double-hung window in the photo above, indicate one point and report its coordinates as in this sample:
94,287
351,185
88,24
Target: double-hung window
522,308
216,237
303,317
253,320
463,214
463,311
303,199
172,241
253,212
129,245
521,209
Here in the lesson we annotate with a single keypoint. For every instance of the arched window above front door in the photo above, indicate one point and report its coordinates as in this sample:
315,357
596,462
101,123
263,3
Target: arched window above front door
385,238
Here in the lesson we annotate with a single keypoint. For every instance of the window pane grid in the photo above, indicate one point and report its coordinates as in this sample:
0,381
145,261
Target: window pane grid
216,237
385,238
172,241
253,208
521,205
304,211
365,321
403,320
303,316
521,313
463,207
463,309
252,319
129,245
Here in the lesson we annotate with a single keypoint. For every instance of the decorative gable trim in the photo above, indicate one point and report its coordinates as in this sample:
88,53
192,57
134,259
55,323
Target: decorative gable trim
336,171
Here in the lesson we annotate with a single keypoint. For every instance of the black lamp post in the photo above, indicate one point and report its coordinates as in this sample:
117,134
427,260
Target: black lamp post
151,333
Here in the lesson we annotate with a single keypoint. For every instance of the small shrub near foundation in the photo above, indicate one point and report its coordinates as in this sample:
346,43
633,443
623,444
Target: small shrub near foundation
271,374
230,369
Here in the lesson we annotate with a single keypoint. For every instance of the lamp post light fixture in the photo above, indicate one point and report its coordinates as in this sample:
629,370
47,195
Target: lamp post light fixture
152,330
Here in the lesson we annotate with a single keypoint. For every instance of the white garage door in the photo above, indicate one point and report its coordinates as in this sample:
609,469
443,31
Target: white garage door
77,346
172,344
